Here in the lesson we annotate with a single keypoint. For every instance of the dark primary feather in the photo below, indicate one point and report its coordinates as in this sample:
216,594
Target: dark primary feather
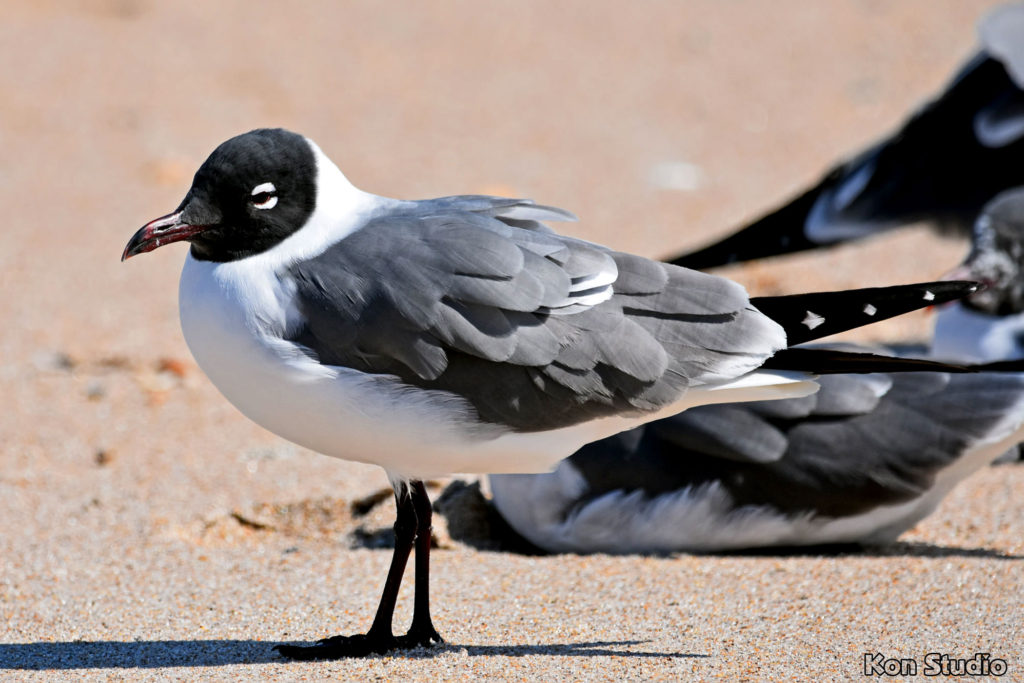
830,362
465,294
839,452
807,317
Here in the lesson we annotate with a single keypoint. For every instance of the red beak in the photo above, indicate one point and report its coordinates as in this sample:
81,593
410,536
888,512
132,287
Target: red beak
962,272
159,232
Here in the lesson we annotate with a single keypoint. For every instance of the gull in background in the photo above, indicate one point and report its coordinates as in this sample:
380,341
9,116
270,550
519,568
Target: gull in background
988,326
942,165
861,461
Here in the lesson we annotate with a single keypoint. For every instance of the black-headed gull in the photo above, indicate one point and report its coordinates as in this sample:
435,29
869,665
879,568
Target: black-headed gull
461,334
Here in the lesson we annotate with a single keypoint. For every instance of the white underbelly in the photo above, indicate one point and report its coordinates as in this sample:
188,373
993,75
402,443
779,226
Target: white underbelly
965,335
336,411
377,419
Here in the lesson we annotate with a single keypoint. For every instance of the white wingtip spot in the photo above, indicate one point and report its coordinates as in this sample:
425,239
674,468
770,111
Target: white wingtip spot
593,299
812,320
604,278
869,309
928,296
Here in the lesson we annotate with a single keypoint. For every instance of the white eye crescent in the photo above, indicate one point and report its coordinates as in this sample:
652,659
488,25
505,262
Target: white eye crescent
263,196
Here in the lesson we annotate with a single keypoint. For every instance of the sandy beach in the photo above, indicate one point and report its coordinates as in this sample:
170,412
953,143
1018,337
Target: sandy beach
150,532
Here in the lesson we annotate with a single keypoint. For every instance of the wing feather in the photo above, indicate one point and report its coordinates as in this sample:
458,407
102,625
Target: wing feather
466,294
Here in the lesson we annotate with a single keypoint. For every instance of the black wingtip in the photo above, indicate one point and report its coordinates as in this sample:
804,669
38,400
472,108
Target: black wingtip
838,362
806,317
998,366
832,362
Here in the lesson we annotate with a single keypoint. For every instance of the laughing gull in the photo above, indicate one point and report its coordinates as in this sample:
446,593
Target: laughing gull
941,166
861,461
988,325
461,334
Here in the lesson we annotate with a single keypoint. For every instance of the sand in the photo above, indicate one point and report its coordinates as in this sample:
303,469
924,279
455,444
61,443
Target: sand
128,485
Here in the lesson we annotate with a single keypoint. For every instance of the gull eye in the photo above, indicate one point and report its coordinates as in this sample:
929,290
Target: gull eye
264,196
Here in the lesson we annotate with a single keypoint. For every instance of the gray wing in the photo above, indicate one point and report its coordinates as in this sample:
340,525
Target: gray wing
474,295
828,453
923,425
759,431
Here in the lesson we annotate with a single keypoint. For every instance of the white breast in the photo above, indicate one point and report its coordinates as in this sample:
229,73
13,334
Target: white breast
232,315
968,336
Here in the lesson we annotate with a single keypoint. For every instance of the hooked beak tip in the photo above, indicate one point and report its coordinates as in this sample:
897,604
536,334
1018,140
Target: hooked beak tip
157,233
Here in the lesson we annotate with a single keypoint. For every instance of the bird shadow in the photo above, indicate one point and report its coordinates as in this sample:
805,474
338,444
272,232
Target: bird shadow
591,649
155,654
918,549
897,549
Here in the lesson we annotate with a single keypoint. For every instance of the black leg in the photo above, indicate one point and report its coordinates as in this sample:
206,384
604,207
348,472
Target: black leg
379,638
422,631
